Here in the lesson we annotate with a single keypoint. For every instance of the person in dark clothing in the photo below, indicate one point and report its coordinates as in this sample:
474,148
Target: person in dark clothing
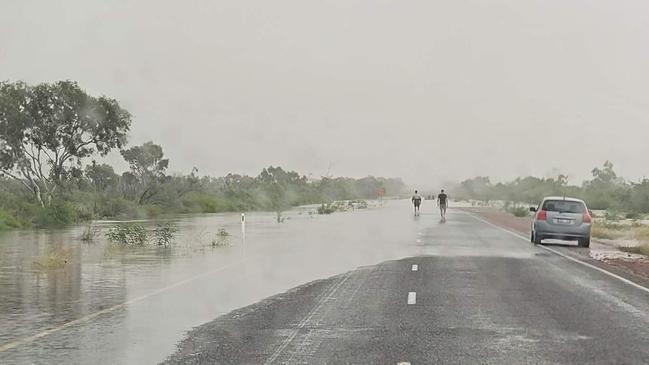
442,202
416,201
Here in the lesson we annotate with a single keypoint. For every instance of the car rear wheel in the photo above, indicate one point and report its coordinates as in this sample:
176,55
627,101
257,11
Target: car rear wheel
584,242
536,238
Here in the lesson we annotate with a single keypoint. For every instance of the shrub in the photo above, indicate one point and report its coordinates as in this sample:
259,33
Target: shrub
164,234
520,211
152,211
58,213
327,208
280,217
128,234
89,233
119,207
516,210
8,221
358,204
222,238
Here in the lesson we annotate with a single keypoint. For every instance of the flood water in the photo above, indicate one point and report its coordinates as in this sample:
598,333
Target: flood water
132,305
113,305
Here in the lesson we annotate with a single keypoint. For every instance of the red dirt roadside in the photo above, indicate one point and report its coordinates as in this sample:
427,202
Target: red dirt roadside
521,225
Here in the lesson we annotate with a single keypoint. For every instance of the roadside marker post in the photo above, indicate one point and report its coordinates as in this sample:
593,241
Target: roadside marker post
243,233
243,222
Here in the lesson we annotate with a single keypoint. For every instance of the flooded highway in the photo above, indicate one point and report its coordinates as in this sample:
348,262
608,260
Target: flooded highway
114,305
132,305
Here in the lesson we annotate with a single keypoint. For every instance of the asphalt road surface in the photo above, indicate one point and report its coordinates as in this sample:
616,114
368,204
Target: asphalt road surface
470,293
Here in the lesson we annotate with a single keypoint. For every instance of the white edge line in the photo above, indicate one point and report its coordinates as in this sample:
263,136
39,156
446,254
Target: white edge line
622,279
412,297
25,340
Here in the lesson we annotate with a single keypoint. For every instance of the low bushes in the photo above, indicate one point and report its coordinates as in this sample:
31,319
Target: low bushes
9,221
221,239
58,213
164,234
136,234
128,234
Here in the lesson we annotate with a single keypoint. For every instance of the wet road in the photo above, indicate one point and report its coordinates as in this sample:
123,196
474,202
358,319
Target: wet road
480,294
470,293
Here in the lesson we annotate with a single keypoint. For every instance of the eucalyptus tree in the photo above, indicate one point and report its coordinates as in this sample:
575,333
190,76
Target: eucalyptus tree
46,130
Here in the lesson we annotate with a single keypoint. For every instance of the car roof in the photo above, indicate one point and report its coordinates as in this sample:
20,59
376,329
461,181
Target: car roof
563,198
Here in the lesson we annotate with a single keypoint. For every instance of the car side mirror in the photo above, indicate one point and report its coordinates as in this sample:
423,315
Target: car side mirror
532,209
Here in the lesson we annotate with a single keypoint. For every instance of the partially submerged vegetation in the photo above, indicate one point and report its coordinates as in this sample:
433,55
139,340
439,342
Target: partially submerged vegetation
221,239
341,206
128,234
131,234
164,234
89,233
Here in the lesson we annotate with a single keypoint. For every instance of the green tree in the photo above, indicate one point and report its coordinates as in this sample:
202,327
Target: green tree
275,184
47,129
606,190
148,167
606,174
101,176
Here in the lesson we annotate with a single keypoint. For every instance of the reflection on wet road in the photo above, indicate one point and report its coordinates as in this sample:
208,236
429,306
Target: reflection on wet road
112,306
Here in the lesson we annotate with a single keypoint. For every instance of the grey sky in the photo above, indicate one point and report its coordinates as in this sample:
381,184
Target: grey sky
425,90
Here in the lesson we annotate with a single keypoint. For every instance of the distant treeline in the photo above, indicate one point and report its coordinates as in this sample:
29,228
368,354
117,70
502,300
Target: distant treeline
52,133
605,190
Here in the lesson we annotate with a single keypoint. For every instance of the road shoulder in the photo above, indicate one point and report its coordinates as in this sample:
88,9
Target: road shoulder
630,269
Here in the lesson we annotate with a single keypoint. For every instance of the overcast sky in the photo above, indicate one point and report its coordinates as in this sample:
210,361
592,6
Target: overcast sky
425,90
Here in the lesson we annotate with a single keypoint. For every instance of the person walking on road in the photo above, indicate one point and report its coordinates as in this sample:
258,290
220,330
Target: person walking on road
416,201
442,203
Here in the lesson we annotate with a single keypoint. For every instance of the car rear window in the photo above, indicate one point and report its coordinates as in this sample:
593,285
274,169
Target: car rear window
563,206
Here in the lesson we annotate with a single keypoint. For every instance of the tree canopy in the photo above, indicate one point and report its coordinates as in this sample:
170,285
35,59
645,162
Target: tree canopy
47,129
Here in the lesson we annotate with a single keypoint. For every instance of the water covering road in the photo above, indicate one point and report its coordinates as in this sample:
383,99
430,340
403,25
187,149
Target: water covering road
133,308
475,294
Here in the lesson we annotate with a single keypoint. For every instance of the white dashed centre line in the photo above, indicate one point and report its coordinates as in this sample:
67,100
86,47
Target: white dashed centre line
412,298
415,267
403,363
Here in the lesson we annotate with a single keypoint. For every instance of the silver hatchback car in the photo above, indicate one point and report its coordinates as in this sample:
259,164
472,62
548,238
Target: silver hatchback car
561,218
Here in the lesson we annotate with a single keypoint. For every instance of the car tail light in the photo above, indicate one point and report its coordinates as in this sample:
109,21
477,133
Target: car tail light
541,215
587,218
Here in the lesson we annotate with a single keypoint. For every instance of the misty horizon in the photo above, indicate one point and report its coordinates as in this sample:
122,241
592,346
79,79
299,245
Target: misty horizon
427,92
